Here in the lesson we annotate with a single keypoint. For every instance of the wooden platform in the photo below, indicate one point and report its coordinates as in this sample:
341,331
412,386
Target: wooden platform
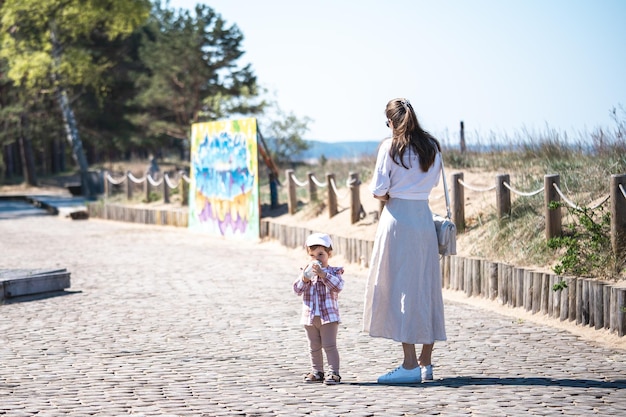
20,282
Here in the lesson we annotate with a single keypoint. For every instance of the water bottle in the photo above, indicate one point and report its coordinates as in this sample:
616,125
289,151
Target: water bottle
308,271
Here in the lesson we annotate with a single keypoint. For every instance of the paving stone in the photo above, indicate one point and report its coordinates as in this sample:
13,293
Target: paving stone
163,321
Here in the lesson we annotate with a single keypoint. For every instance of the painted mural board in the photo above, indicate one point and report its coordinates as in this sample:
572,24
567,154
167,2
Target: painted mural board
224,187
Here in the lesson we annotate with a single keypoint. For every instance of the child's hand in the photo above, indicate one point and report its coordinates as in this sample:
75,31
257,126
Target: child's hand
307,274
316,266
312,269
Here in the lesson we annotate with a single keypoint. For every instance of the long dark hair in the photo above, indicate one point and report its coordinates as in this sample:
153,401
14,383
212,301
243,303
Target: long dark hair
408,134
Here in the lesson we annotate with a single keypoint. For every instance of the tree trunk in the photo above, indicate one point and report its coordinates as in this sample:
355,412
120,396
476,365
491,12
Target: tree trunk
73,138
9,159
69,121
17,161
26,151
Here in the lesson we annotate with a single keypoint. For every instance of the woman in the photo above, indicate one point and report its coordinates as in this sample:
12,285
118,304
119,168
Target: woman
403,299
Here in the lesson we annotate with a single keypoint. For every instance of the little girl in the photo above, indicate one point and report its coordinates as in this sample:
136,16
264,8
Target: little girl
319,285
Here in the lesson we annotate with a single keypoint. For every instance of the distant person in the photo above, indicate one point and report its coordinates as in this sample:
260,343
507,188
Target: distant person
319,285
403,299
153,168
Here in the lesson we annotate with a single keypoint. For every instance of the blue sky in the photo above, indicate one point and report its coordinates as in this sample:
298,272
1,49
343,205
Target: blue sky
503,67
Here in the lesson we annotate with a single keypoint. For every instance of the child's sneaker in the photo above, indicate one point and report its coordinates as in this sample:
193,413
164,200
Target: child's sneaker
314,377
332,378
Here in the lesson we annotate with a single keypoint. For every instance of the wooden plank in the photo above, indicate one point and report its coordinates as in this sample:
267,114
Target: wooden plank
556,297
444,263
476,277
502,267
579,301
584,302
537,292
572,285
598,304
518,283
564,302
19,283
606,295
467,276
620,311
528,290
547,301
460,264
544,288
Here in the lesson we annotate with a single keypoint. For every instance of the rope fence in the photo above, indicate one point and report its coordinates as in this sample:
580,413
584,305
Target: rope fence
503,190
150,183
332,196
552,193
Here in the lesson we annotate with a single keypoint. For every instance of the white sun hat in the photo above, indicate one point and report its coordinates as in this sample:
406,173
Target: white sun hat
321,239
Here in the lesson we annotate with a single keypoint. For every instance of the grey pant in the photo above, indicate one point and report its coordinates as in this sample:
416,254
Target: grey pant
323,336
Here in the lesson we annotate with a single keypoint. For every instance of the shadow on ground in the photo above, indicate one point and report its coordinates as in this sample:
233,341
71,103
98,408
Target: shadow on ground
37,297
458,382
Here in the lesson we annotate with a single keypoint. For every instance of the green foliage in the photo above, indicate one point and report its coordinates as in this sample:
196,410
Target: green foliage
133,89
587,243
190,73
46,40
285,137
561,285
48,48
153,196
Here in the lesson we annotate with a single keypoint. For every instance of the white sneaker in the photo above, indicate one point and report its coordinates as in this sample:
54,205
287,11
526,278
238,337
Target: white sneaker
427,373
401,376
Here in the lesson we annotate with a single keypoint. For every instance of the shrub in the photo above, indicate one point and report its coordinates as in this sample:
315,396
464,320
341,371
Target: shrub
587,244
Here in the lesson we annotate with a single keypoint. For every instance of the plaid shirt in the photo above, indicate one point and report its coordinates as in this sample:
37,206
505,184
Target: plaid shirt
321,295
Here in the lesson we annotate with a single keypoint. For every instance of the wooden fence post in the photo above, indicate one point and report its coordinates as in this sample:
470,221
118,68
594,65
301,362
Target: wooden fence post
503,196
618,309
553,217
166,190
494,269
107,187
462,137
291,192
618,215
146,187
312,187
185,189
458,202
129,186
355,198
273,190
332,196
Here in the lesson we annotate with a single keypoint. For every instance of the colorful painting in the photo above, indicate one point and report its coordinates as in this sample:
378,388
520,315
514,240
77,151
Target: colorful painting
224,187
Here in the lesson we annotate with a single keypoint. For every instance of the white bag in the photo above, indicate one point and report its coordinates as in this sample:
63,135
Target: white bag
446,235
446,229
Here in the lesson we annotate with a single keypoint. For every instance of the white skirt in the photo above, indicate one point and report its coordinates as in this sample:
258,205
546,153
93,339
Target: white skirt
403,299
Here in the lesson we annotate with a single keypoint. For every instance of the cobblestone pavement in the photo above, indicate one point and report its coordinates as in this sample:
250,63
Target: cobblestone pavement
162,321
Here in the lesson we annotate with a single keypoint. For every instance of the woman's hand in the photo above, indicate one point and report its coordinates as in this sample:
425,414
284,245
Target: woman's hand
381,197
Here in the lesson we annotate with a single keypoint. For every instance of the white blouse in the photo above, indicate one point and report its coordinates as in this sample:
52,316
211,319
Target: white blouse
399,182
